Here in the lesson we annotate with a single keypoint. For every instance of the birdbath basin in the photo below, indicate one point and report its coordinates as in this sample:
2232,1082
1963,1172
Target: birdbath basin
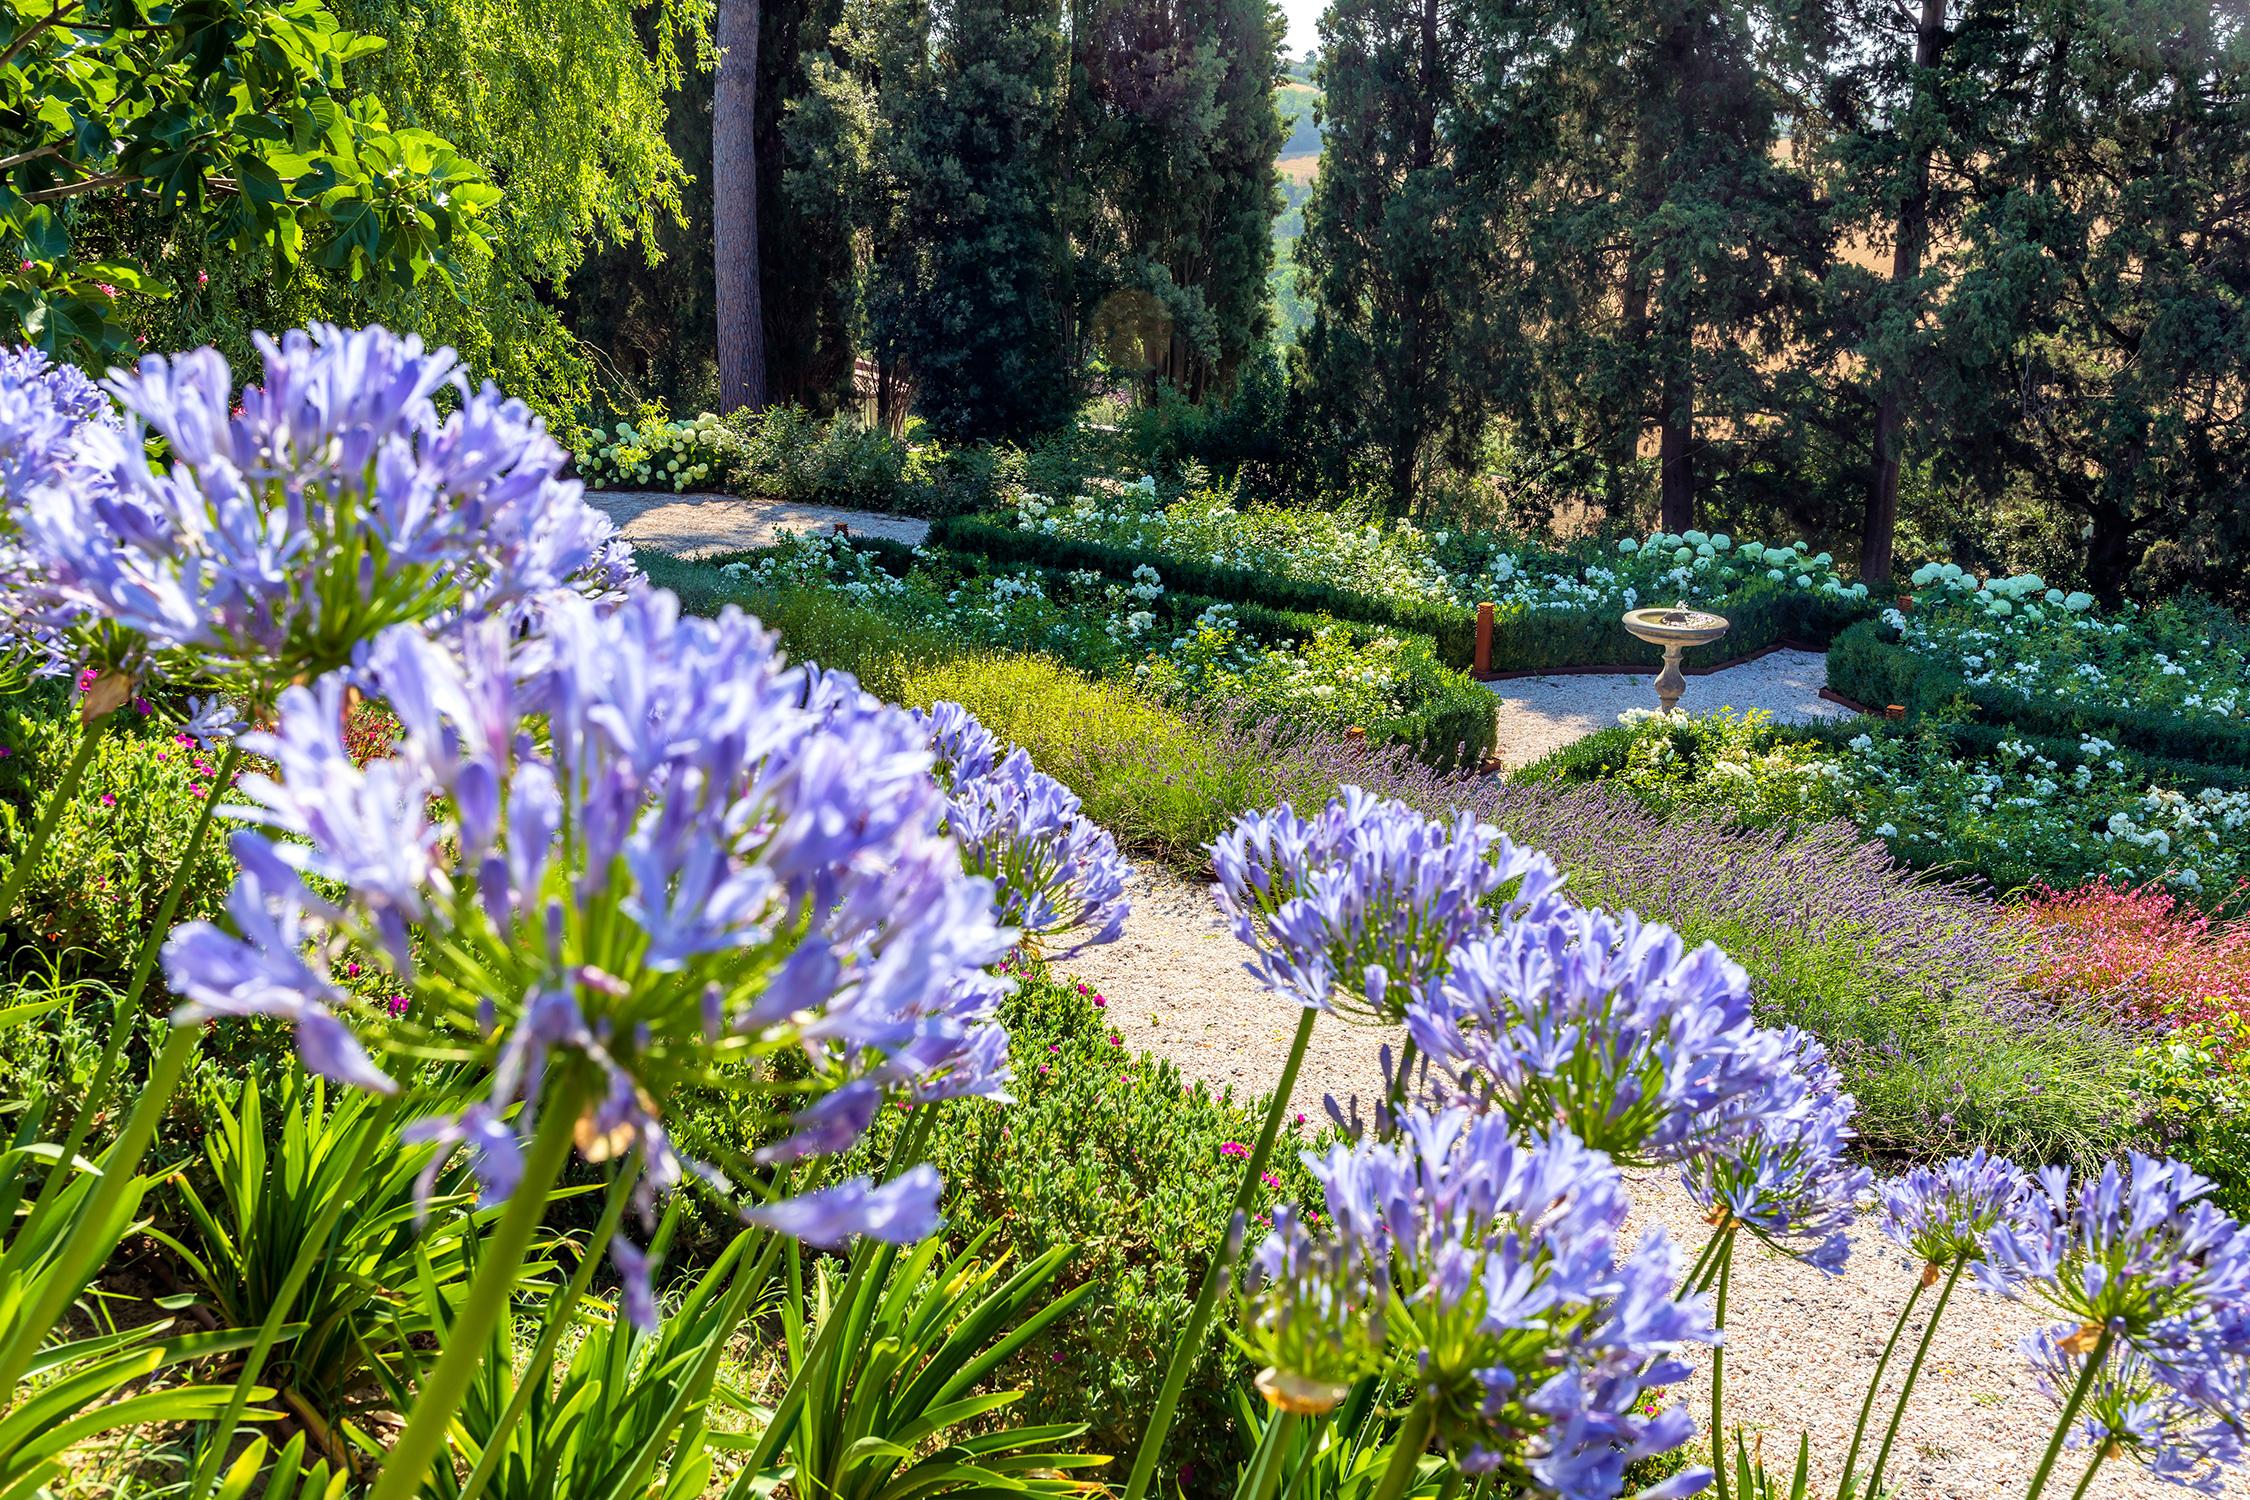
1675,630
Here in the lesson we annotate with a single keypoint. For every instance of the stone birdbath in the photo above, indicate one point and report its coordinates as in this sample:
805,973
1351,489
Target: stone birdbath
1675,630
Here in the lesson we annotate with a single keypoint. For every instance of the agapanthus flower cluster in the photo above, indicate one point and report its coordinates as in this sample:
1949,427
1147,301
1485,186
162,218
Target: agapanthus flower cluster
607,861
1943,1215
1533,1342
2130,1411
1783,1175
2141,1254
1358,908
1609,1027
1055,873
358,484
42,407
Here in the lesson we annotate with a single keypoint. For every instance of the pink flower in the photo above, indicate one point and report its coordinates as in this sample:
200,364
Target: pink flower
203,278
108,800
1233,1148
1270,1180
1300,1118
351,971
106,289
396,1005
1100,1003
1042,1067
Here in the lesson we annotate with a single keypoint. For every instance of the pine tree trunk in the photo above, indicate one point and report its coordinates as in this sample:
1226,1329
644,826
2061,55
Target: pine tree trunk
1676,449
734,209
1879,527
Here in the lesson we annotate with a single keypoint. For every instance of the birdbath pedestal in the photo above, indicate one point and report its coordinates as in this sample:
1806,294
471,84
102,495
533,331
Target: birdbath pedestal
1675,630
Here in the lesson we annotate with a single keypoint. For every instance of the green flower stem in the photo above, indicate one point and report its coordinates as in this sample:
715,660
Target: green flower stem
1406,1452
2077,1399
1266,1464
27,858
128,1005
2086,1481
1408,1055
1913,1371
91,1238
309,1254
1874,1388
439,1398
1725,1242
532,1378
1699,1274
1184,1353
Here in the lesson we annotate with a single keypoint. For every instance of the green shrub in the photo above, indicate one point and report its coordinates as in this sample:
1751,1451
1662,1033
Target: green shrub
2196,1082
1867,664
1453,629
96,889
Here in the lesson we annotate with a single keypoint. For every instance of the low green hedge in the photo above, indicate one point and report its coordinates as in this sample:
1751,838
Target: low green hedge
1456,725
1866,664
1761,615
1523,640
1452,628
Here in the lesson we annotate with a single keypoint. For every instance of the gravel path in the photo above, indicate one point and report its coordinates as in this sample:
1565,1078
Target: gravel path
1801,1345
1539,715
697,525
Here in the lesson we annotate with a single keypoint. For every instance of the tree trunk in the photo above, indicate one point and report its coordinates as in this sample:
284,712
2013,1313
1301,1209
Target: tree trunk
1878,530
2109,552
1676,449
740,303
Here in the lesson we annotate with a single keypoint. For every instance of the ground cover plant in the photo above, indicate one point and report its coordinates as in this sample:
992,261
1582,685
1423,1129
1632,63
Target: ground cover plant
607,859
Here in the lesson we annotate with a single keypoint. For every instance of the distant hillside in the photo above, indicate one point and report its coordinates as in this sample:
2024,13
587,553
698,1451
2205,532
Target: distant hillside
1297,161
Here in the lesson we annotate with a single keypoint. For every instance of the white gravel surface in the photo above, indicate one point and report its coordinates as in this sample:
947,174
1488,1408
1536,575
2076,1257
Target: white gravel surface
1801,1345
1540,715
696,525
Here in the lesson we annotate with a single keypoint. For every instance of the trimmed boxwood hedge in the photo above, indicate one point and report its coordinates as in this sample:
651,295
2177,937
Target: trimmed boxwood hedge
1865,663
1523,640
1457,724
1452,628
1601,755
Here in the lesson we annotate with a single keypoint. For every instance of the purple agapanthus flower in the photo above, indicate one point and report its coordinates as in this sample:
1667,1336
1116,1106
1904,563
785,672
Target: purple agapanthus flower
2138,1252
898,1212
2130,1411
1055,873
1533,1340
1360,906
1609,1027
1780,1171
43,408
305,513
1943,1215
622,853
